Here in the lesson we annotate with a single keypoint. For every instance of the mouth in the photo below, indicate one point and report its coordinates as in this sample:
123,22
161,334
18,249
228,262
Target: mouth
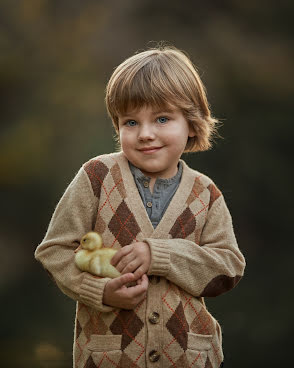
149,150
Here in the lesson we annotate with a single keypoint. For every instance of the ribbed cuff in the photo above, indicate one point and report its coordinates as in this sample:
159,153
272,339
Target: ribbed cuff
91,292
160,257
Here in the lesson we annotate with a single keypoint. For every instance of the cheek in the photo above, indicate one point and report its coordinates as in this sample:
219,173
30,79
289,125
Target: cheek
125,141
178,138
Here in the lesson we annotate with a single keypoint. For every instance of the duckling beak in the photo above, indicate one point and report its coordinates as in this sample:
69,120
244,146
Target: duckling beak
78,248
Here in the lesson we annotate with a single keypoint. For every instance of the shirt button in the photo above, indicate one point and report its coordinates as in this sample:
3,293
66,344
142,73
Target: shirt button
154,356
154,318
149,204
146,184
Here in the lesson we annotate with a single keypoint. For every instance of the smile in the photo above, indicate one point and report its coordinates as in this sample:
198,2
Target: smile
149,150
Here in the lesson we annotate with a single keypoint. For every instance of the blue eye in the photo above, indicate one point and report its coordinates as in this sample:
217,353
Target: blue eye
162,119
131,123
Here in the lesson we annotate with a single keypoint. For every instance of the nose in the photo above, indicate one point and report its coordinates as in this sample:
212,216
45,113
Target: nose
146,132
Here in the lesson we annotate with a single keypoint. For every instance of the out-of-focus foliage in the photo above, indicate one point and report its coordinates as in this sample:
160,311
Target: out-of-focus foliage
56,57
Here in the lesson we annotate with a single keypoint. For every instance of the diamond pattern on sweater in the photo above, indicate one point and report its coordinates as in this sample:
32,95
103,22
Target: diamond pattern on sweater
78,329
126,361
123,225
100,225
215,193
184,225
90,363
178,326
105,359
84,314
182,312
127,324
117,177
181,362
197,189
96,171
202,323
95,325
208,363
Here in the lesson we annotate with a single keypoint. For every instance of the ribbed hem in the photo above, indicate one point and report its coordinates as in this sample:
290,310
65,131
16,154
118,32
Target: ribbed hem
160,257
91,292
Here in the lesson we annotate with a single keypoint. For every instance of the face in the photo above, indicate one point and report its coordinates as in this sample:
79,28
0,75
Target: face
154,140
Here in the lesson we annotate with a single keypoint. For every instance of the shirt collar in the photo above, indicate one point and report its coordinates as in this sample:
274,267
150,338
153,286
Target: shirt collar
138,175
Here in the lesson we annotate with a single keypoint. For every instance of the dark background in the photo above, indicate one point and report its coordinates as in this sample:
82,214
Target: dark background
56,57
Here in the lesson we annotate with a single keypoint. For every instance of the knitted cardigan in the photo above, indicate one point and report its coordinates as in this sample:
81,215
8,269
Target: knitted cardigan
194,254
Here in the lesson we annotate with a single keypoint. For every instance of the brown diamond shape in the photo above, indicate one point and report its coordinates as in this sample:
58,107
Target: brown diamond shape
123,225
208,363
214,194
184,225
117,177
178,326
125,361
100,224
127,324
202,323
181,362
198,233
95,325
90,363
78,329
198,188
96,171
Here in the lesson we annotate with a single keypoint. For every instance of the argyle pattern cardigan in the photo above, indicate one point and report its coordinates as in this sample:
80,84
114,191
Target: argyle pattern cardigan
194,254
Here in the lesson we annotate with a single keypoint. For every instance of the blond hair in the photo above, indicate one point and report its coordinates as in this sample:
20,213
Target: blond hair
162,77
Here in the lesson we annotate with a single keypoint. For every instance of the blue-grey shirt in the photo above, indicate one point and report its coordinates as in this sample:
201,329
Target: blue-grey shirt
157,202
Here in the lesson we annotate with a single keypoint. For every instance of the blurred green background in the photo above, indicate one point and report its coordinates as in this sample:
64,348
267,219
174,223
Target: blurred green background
56,57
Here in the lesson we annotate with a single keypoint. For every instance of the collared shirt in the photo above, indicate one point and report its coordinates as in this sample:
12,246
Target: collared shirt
157,202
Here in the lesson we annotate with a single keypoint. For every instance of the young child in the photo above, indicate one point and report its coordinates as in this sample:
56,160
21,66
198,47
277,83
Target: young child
170,224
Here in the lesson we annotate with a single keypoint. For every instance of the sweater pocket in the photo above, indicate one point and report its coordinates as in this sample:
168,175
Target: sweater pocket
198,347
105,350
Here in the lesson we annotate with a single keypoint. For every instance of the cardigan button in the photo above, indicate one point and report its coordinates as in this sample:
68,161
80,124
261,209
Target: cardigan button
154,318
146,184
149,204
154,356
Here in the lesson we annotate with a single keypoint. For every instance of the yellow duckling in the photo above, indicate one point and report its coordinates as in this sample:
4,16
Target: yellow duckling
93,258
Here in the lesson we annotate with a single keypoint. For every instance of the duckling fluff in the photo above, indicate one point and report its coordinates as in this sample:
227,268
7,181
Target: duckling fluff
94,258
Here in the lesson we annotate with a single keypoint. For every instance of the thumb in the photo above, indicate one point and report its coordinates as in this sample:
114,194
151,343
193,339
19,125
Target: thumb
122,280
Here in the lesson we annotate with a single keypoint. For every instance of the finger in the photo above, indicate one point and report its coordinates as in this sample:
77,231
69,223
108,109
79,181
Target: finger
140,288
139,272
120,254
124,260
128,264
140,280
144,281
121,281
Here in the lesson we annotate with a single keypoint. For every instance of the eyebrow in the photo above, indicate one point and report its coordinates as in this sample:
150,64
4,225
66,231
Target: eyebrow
155,112
168,111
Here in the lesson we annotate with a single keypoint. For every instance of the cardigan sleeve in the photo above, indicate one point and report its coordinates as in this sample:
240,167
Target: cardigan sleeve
74,216
209,268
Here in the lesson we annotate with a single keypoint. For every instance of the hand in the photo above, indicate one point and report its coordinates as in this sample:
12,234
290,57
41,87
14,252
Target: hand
117,294
135,258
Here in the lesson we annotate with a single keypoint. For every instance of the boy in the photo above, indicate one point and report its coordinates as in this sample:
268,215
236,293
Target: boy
170,224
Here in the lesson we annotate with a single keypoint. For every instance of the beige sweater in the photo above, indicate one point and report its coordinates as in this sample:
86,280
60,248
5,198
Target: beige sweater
193,254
